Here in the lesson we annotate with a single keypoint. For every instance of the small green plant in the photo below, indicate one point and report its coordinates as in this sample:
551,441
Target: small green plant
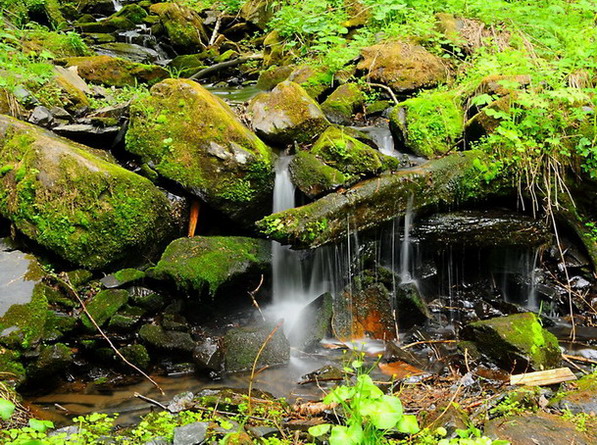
369,413
6,409
580,420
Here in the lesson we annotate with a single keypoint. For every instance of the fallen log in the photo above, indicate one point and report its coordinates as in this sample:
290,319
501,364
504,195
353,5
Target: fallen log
456,178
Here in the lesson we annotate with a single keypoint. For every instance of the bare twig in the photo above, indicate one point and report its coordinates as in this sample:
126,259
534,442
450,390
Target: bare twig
66,283
424,342
269,337
252,295
220,66
214,34
579,359
387,88
152,401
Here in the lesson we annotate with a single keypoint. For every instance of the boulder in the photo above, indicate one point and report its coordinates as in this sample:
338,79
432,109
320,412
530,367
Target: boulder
314,80
271,77
51,363
428,125
314,323
403,66
258,12
454,178
241,346
113,71
137,355
313,177
581,399
183,26
104,7
130,51
166,341
287,115
133,13
411,309
515,342
84,208
343,103
190,136
103,305
208,354
203,264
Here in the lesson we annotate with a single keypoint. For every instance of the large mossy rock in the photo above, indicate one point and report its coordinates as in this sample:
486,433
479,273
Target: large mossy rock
205,263
86,209
103,306
258,12
183,26
242,345
314,80
515,342
313,177
190,136
11,368
287,115
113,71
582,399
343,103
402,66
428,125
456,178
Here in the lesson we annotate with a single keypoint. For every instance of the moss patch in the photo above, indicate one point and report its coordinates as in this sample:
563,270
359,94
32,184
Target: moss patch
205,263
22,326
183,25
313,177
103,306
343,103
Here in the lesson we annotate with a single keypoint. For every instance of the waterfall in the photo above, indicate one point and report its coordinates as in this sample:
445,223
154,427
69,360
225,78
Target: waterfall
117,5
405,257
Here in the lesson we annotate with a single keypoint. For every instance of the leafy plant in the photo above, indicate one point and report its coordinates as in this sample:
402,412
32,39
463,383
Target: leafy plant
6,409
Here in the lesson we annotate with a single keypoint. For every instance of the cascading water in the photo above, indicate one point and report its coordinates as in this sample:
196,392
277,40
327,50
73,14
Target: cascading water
117,5
405,257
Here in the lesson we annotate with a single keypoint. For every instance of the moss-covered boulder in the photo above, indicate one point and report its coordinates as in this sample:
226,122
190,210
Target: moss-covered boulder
205,263
350,156
113,71
22,325
84,208
402,66
268,79
314,80
313,177
241,346
193,138
258,12
133,13
11,368
343,103
275,50
428,125
183,26
137,355
188,64
287,115
52,361
104,305
515,342
166,341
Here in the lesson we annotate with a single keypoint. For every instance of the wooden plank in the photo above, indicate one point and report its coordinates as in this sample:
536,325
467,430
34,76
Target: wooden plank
540,378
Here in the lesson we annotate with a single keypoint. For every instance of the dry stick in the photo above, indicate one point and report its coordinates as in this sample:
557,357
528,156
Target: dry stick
220,66
425,342
215,33
252,295
193,218
578,368
269,337
579,359
152,401
71,289
387,88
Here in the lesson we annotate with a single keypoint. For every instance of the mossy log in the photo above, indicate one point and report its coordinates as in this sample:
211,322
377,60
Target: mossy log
369,203
83,207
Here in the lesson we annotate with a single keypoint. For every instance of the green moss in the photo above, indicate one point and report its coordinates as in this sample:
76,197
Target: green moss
93,214
429,124
183,26
23,325
195,264
57,43
134,13
343,103
313,177
137,355
129,275
103,306
11,367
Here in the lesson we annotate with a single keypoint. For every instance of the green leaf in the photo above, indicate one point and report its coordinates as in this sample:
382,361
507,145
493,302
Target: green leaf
40,425
319,430
384,412
340,394
408,424
367,388
342,435
6,409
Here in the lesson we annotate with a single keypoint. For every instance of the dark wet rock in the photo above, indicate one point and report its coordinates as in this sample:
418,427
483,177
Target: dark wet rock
208,354
340,106
98,136
41,116
209,152
113,71
58,326
484,123
516,342
126,318
104,305
313,177
428,125
314,325
129,51
122,277
287,114
411,309
271,77
364,313
175,322
168,341
191,434
104,7
241,346
137,355
369,203
79,278
124,215
203,264
20,273
533,429
183,26
258,12
324,374
582,399
484,228
402,66
146,298
52,361
11,367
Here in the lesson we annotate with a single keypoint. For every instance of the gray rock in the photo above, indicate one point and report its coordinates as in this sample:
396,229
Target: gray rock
191,434
41,116
208,354
130,51
158,441
181,402
241,346
163,340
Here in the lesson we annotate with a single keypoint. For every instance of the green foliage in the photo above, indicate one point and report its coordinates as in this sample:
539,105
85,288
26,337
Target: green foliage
6,409
369,413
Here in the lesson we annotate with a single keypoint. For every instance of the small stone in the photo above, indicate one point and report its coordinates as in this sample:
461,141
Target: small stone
157,337
122,277
191,434
181,402
103,306
208,354
41,116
